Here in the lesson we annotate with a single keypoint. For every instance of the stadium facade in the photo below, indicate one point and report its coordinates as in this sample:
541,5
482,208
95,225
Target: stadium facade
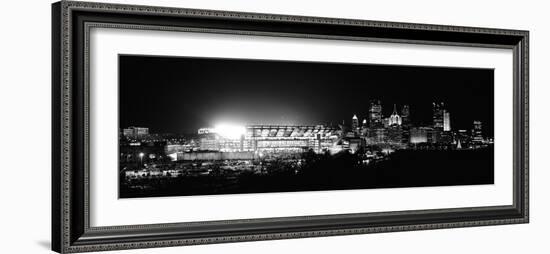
272,139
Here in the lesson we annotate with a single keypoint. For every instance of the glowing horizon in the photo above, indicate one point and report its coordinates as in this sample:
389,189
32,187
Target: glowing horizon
227,130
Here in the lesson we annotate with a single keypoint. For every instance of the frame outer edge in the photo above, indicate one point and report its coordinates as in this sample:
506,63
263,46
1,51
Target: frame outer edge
526,125
189,12
56,128
65,121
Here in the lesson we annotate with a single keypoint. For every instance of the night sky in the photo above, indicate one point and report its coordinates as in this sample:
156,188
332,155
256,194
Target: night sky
182,94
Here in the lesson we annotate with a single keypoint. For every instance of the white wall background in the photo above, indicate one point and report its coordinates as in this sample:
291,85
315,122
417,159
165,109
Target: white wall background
25,126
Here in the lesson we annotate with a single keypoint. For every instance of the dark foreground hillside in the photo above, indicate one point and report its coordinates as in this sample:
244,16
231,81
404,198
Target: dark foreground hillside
404,168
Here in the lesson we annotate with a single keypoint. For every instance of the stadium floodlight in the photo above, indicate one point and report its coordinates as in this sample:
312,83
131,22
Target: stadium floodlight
141,159
230,131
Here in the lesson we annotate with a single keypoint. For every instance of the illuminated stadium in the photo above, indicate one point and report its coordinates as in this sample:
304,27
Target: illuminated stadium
268,138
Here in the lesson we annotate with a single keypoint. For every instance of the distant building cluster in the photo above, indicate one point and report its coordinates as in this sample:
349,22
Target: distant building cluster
135,132
397,129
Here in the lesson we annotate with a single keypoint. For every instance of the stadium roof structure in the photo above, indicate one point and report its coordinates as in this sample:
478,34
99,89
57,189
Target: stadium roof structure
274,131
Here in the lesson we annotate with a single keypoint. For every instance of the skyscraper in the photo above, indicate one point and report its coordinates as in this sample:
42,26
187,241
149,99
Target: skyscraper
377,135
364,128
477,135
395,134
395,119
438,111
406,123
446,121
420,135
375,114
463,137
355,123
406,116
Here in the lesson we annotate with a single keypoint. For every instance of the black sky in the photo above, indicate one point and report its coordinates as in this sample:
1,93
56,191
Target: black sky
182,94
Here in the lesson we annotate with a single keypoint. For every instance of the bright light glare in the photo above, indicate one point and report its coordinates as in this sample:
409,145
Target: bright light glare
230,131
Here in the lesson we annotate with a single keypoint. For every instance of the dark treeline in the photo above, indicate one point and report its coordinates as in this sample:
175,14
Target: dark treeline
403,168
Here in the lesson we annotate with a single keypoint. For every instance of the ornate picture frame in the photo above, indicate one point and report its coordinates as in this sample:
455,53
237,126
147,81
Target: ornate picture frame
71,229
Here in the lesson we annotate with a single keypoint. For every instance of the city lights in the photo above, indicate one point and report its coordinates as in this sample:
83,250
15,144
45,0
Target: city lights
230,130
236,156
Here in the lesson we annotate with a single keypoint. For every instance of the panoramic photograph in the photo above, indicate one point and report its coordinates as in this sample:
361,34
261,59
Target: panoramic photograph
210,126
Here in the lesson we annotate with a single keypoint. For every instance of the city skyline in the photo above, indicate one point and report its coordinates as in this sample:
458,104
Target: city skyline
393,132
441,120
173,105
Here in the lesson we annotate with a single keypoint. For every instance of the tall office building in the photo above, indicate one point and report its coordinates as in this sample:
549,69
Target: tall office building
446,121
420,135
395,134
355,123
376,135
477,135
406,116
395,119
375,114
463,137
406,123
438,110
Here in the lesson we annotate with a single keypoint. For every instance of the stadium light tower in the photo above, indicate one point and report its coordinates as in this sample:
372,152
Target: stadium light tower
230,131
141,159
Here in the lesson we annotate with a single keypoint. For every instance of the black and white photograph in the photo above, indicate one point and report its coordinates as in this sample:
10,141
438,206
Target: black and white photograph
208,126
